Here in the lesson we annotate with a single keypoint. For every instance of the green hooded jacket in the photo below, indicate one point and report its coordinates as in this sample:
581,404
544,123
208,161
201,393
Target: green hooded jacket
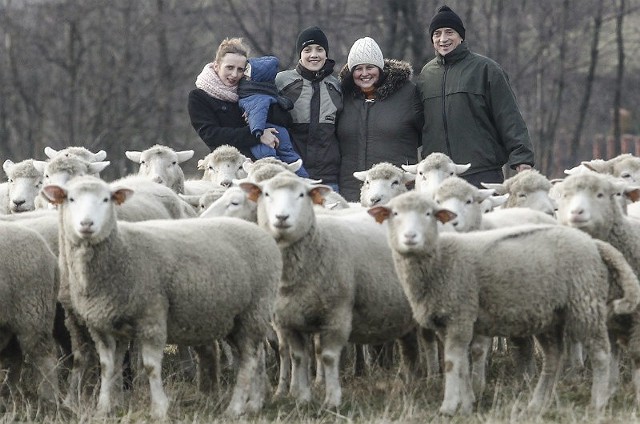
471,113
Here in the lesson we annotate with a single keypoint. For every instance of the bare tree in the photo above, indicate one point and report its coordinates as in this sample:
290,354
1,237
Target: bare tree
617,97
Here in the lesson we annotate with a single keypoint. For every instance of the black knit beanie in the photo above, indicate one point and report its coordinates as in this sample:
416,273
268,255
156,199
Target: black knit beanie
312,35
446,18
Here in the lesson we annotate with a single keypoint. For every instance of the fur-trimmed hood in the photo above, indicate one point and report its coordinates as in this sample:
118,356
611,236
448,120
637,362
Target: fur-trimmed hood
394,75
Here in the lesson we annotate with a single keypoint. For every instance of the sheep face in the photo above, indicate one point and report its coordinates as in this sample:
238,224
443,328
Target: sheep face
433,170
591,203
24,185
233,203
382,183
62,168
87,205
413,219
463,199
77,151
285,206
161,164
224,170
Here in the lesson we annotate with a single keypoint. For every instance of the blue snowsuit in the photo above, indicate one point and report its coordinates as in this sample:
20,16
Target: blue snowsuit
255,97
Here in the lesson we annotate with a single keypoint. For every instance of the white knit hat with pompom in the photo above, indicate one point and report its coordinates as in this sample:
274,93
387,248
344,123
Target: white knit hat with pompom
365,50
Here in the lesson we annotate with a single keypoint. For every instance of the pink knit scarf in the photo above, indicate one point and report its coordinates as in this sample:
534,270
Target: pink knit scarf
210,82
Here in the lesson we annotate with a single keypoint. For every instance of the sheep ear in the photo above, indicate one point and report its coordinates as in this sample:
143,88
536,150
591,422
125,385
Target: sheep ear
201,164
7,165
317,194
361,175
294,166
597,166
133,155
253,190
379,213
97,167
54,194
247,165
459,169
499,188
184,155
484,194
120,195
192,199
51,153
411,168
632,193
99,156
408,177
498,200
444,215
39,165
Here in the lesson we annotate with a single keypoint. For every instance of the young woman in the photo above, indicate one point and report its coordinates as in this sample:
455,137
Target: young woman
213,105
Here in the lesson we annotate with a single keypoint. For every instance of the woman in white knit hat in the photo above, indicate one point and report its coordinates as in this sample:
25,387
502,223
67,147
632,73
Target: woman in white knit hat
381,118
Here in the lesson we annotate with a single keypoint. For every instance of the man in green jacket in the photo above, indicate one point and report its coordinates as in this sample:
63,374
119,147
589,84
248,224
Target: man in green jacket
470,110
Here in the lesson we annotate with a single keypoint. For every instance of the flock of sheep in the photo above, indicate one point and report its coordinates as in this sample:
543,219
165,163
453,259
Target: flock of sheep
252,252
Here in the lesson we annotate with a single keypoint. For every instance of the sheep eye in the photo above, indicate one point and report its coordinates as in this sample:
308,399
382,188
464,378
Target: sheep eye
10,180
211,167
301,195
522,195
625,175
143,162
600,195
395,183
174,163
105,200
71,199
469,202
420,173
451,174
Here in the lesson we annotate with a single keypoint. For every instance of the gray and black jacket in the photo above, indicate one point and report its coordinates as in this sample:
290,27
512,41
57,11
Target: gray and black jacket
316,101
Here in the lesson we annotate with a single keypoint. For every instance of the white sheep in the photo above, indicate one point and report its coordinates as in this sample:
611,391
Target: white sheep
464,284
338,282
23,185
62,168
78,151
223,165
200,202
28,289
381,183
433,170
172,285
161,164
625,166
526,189
233,203
590,203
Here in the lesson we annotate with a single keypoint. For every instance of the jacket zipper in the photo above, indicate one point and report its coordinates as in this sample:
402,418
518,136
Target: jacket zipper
444,110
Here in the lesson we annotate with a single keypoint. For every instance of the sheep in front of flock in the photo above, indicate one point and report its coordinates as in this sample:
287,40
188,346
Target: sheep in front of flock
463,285
382,182
163,281
28,289
433,170
590,202
338,282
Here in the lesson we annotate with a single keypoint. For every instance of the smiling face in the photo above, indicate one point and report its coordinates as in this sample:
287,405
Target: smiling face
313,57
366,76
445,40
231,68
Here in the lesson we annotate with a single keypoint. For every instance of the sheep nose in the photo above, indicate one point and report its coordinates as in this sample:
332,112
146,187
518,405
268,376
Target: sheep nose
375,200
157,179
282,217
19,202
577,211
226,183
86,224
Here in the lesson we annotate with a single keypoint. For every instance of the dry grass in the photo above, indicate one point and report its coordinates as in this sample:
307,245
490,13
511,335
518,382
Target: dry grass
379,397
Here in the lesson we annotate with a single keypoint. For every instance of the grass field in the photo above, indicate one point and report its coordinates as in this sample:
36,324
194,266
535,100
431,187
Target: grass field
378,397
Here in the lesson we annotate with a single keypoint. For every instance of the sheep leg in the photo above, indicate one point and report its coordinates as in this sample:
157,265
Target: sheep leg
614,368
410,355
41,347
258,389
152,351
300,389
284,373
11,360
208,366
248,370
331,345
319,380
600,355
480,347
430,345
552,345
457,384
523,354
83,358
106,346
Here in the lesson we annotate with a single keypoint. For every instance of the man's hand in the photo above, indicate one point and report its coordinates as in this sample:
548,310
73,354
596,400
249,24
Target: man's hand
268,138
523,167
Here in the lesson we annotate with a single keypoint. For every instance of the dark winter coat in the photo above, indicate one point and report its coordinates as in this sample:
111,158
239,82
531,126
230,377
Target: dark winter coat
471,113
316,101
385,129
219,122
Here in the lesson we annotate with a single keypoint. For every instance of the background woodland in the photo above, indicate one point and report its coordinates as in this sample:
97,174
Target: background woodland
115,74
